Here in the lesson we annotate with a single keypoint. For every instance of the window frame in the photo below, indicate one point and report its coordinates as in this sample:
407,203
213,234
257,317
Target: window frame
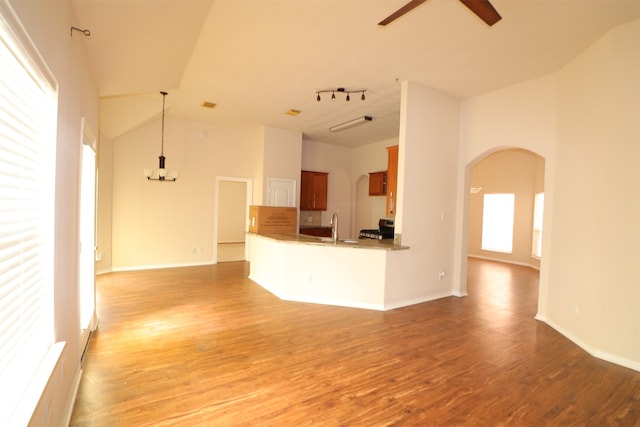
28,139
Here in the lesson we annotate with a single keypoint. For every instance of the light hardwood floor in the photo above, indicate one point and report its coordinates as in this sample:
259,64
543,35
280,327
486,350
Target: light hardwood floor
205,346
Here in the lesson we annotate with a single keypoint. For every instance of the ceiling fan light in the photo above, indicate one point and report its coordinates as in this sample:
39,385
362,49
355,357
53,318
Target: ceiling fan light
318,98
333,95
362,98
348,98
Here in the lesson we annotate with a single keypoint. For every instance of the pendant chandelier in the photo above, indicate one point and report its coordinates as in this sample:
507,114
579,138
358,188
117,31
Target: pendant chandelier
161,174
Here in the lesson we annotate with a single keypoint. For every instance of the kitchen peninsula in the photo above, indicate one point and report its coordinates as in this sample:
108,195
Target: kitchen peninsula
303,268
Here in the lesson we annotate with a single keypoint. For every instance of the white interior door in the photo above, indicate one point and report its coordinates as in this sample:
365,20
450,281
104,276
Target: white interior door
87,233
282,192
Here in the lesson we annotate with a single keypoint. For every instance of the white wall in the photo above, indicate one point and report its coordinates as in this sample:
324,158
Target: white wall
282,151
158,224
594,278
369,209
521,116
336,161
428,151
105,204
48,25
583,121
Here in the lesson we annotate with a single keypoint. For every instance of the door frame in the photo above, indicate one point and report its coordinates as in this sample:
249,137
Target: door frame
216,215
88,139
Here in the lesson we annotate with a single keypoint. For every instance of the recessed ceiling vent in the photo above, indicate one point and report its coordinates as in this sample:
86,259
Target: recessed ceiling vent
210,105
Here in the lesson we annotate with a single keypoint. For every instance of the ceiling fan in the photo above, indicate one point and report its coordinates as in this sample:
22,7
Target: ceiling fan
482,8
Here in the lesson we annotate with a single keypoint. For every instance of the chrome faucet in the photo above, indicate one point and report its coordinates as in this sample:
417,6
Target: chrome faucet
334,227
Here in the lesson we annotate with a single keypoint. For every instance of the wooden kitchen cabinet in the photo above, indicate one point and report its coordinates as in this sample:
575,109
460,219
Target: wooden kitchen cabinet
392,179
316,231
313,191
378,183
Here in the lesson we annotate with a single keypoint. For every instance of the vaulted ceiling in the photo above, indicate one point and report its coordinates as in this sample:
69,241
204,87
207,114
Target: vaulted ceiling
257,59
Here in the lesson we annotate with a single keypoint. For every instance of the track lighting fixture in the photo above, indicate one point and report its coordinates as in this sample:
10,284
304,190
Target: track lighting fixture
161,175
341,90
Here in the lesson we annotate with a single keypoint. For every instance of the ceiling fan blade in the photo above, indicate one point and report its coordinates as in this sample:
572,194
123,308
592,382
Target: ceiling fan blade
484,10
398,13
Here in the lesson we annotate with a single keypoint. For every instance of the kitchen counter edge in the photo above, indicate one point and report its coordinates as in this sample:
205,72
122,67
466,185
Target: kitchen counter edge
385,245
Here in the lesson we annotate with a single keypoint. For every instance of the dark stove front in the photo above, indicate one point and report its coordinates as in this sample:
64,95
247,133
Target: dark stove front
384,231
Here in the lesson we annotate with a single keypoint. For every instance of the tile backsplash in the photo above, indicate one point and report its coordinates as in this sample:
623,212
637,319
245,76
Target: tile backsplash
310,218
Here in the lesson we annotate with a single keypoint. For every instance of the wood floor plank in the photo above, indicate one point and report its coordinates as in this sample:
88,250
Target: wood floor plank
205,346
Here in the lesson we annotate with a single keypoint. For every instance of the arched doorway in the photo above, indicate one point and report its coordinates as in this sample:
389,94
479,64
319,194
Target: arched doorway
504,170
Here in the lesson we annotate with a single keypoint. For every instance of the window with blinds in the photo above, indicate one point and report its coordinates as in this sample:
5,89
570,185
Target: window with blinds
28,116
538,210
497,222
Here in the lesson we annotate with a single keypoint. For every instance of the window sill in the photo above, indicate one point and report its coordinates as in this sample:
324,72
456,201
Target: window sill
29,402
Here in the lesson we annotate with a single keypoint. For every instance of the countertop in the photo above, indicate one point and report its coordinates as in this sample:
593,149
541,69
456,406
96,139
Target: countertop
386,245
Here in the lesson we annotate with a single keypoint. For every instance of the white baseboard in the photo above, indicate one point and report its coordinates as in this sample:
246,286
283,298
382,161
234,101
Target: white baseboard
72,398
338,303
506,261
159,266
595,352
419,300
342,303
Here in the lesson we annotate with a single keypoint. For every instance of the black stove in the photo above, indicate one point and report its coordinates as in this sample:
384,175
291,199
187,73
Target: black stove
385,230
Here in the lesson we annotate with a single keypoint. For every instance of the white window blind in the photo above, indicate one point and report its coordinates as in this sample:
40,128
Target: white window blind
497,222
538,209
28,110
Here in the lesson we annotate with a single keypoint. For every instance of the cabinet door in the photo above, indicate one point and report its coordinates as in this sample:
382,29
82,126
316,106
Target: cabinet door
320,184
378,183
392,179
306,191
313,191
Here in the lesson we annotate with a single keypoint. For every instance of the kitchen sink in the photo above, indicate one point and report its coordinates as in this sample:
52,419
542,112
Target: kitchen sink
329,239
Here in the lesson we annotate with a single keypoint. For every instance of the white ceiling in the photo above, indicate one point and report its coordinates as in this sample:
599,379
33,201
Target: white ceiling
258,59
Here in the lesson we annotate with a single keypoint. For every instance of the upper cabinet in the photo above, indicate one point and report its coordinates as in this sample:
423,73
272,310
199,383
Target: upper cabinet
313,191
378,183
392,179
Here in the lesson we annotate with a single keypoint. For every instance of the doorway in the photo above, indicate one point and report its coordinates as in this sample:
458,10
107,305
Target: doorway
510,171
87,237
233,198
